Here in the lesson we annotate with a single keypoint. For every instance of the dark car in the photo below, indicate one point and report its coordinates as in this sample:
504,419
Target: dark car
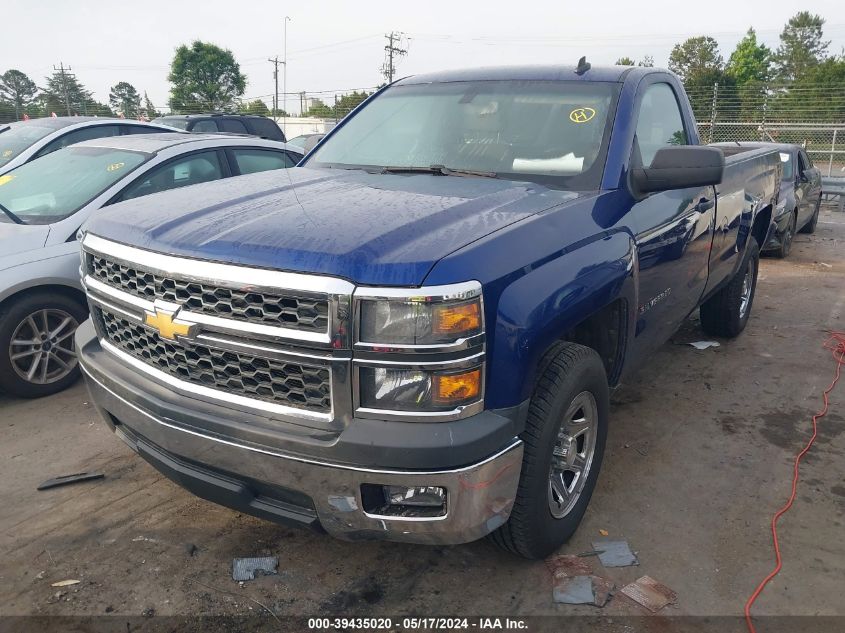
800,193
229,123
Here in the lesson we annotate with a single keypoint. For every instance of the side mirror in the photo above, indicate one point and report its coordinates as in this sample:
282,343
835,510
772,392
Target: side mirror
802,177
680,167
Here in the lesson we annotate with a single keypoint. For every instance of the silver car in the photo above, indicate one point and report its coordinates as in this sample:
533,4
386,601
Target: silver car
24,141
44,203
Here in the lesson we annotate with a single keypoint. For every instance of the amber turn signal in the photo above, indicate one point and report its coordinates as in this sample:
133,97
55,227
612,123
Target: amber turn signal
456,388
457,319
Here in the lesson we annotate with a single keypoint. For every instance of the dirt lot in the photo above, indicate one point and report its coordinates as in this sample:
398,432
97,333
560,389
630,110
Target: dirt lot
699,456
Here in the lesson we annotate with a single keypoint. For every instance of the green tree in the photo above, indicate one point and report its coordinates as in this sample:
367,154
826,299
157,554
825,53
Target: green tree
204,77
625,61
18,90
319,109
256,107
647,61
697,60
750,61
700,65
349,102
820,85
801,45
149,110
124,98
65,95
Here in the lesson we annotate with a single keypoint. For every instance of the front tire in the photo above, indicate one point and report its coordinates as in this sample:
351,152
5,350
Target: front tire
564,439
810,227
788,235
726,313
37,353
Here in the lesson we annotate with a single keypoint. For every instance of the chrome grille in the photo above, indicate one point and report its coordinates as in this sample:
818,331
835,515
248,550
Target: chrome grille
281,310
285,383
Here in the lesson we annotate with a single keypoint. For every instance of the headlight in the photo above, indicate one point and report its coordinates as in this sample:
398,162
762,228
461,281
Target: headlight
419,353
426,319
419,390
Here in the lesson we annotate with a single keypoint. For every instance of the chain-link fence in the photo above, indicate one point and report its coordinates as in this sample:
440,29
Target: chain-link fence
811,116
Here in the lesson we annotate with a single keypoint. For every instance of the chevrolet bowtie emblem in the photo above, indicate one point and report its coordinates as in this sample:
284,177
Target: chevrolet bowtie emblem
168,326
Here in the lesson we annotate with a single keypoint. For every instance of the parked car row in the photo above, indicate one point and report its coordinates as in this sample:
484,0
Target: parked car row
44,202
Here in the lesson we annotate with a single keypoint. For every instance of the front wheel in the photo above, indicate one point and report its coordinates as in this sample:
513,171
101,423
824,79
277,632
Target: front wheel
810,227
37,353
726,313
564,440
788,235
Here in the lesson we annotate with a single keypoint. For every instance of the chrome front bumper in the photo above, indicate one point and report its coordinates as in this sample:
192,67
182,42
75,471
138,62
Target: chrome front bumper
317,493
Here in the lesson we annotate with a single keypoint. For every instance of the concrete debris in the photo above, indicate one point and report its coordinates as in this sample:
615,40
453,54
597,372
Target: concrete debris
65,583
64,480
615,553
593,590
704,344
576,590
246,568
649,593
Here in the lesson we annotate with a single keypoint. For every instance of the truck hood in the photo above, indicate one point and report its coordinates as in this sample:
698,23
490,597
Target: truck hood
377,229
19,238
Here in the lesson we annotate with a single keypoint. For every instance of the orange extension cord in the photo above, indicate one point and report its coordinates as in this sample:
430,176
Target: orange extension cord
836,344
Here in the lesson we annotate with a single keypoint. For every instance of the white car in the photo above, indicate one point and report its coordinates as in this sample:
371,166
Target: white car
24,141
44,203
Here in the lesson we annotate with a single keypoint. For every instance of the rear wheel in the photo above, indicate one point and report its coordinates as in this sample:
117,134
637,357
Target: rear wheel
810,227
37,353
726,313
564,442
787,237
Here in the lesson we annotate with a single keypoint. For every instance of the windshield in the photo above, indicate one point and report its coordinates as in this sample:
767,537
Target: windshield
181,124
548,131
786,159
18,137
59,184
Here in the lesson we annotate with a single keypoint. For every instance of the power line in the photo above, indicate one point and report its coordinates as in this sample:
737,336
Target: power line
62,70
392,52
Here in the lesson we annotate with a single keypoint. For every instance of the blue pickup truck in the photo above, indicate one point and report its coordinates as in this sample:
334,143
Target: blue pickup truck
413,335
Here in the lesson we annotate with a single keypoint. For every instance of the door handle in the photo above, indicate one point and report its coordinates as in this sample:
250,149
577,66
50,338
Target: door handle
705,205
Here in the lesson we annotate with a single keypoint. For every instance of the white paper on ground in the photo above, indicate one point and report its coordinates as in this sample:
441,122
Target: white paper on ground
704,344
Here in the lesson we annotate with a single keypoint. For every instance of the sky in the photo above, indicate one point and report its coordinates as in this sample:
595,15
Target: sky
335,46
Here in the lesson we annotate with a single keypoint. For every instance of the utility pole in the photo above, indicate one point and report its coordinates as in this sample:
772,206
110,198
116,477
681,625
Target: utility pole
391,53
276,62
62,70
285,80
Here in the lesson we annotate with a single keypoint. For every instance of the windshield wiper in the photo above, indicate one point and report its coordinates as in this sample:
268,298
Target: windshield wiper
440,170
11,215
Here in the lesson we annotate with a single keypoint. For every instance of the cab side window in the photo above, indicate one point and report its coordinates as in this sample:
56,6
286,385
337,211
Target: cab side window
660,123
77,136
181,172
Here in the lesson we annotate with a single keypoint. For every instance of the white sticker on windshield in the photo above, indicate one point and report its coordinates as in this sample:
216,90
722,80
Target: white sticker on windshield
8,153
784,158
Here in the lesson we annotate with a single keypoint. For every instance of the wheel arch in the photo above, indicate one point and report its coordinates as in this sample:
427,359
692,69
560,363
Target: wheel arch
587,296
